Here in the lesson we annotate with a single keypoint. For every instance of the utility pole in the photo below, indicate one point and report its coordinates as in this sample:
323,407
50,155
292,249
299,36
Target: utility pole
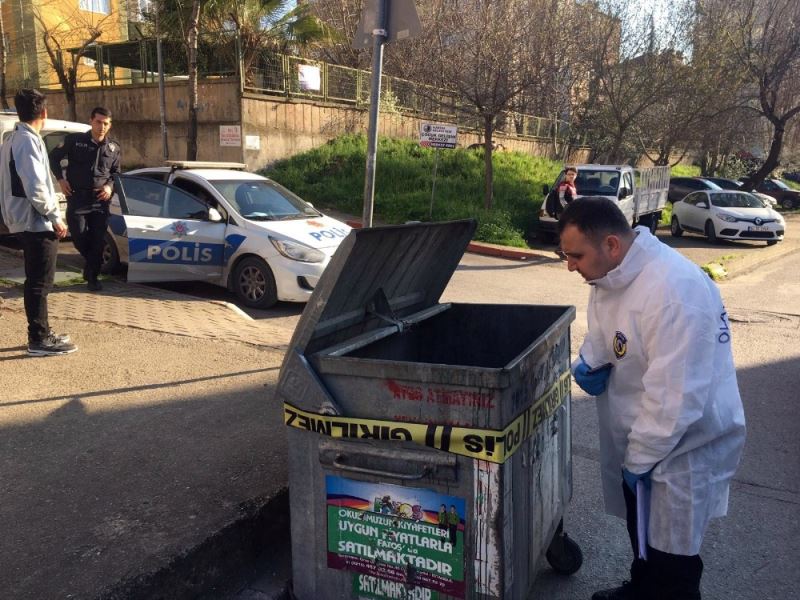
378,38
382,21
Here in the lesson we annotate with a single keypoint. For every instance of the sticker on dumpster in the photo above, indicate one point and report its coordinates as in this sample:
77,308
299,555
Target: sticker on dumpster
485,514
410,536
486,444
367,587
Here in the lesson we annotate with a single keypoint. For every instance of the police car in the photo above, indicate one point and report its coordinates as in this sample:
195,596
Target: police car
53,133
215,222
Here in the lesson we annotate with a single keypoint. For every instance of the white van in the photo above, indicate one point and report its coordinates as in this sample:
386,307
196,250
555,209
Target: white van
53,133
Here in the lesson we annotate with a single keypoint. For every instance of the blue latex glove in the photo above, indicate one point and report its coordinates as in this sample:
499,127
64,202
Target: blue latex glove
592,381
632,478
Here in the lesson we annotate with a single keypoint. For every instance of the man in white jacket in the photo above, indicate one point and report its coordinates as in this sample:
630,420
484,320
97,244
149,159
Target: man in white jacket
30,209
658,357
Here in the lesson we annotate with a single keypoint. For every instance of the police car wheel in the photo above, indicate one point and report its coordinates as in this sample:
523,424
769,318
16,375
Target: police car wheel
110,260
254,283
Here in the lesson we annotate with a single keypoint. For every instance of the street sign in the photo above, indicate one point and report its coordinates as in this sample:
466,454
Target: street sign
437,135
402,22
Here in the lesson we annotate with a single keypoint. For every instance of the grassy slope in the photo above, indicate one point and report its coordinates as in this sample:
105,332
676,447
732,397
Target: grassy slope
332,177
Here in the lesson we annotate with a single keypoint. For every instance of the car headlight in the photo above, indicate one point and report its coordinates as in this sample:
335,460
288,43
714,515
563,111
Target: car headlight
297,251
726,217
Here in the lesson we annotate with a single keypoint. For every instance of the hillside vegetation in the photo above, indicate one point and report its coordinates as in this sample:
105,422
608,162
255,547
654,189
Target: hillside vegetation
332,177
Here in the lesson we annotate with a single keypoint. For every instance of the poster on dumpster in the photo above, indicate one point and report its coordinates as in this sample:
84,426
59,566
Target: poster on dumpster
400,534
367,587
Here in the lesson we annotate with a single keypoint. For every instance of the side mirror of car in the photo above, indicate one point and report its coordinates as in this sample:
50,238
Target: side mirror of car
624,193
545,189
702,205
213,215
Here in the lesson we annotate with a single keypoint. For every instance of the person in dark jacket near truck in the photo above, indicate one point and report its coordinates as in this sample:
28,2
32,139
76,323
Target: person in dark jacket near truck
84,165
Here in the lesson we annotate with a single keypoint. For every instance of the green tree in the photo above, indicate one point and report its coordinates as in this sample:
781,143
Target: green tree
276,25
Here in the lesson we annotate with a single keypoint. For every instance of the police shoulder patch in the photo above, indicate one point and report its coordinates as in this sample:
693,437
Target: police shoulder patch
620,345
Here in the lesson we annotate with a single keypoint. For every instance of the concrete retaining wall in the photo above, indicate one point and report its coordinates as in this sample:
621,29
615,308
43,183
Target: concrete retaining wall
271,128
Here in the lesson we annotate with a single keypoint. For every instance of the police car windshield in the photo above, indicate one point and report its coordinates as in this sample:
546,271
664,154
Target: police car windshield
260,200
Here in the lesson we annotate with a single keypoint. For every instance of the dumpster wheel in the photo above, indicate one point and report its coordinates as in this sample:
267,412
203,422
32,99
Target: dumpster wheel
564,554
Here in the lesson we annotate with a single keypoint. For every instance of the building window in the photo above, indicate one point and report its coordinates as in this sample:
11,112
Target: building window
97,6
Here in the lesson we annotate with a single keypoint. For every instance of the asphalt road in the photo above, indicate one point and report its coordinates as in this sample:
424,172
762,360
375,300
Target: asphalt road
750,554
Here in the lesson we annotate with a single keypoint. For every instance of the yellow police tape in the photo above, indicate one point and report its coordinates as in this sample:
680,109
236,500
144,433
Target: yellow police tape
485,444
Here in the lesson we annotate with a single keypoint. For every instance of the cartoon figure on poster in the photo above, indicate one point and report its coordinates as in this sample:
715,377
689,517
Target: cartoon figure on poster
442,519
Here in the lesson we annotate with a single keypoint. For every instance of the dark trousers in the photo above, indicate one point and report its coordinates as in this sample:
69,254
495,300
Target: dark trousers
40,250
88,232
662,576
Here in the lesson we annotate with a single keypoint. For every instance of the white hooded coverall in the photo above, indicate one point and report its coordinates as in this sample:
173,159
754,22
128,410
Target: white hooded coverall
672,403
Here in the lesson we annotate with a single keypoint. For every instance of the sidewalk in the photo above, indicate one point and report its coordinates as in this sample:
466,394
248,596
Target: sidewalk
150,463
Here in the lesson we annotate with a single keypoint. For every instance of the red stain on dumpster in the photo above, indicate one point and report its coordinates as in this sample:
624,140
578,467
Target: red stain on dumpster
443,396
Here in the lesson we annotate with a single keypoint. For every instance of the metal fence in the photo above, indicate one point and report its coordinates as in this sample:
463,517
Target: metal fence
275,74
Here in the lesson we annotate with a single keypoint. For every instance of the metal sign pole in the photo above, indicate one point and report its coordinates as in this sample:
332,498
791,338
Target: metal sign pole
433,185
379,36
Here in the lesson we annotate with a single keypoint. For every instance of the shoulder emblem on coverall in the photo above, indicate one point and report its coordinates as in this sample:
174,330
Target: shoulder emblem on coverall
620,344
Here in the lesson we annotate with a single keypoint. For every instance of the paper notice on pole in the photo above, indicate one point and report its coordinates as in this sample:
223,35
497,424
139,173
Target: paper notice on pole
642,517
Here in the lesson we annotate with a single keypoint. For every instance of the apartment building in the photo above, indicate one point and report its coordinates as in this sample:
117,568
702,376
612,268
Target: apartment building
69,23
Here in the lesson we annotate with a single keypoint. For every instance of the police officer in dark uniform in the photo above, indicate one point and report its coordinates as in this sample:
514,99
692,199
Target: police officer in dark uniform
84,164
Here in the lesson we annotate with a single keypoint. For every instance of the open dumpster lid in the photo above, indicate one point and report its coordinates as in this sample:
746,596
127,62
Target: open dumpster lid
380,274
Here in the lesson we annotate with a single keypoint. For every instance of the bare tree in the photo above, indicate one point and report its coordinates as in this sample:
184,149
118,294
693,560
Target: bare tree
486,52
764,38
66,42
700,112
634,60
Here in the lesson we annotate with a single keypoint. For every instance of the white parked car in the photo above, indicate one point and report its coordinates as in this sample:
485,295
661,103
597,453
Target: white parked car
215,222
727,214
53,133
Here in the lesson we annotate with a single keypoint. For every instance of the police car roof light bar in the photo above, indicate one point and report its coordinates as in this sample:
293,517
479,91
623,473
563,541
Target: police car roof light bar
201,164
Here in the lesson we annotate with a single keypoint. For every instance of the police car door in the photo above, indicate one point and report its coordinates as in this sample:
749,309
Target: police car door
170,233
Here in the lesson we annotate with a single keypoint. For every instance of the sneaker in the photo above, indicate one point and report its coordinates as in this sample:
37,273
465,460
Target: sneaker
50,346
623,592
63,338
94,285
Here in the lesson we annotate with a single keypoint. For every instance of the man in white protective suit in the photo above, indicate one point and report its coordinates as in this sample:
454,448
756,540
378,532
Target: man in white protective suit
658,357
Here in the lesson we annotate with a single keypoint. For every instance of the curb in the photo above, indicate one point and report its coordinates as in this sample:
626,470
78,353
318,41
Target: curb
504,251
222,563
487,249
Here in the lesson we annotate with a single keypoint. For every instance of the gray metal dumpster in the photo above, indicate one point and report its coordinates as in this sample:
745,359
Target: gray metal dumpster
429,444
